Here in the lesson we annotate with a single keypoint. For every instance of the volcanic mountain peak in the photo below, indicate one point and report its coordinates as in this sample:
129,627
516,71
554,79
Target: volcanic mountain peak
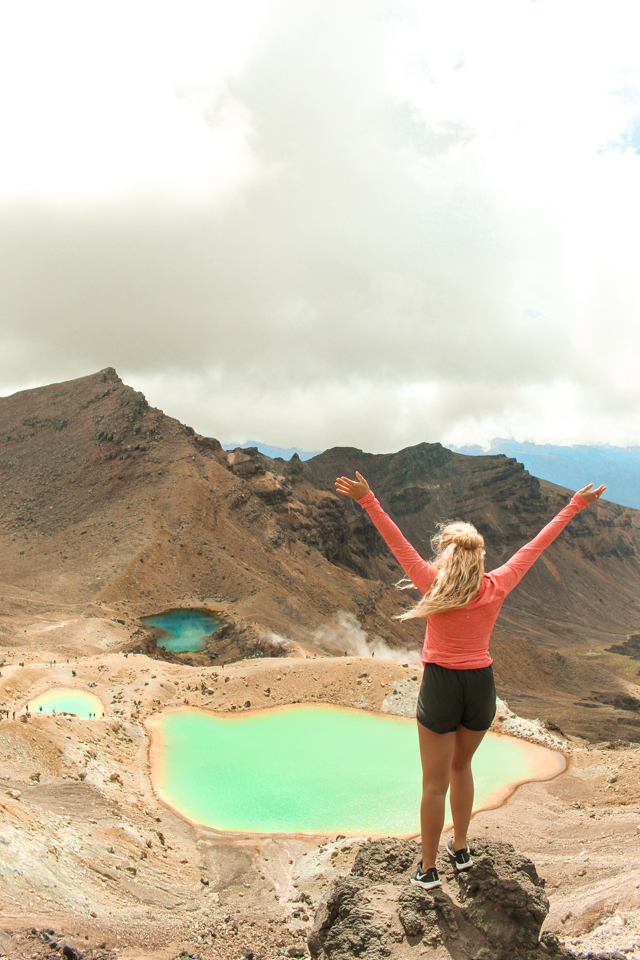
109,504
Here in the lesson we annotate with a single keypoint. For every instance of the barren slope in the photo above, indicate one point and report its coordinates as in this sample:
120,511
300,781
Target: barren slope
110,509
108,501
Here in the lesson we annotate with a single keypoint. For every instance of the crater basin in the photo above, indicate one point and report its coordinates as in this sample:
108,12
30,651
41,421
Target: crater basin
182,629
316,769
69,701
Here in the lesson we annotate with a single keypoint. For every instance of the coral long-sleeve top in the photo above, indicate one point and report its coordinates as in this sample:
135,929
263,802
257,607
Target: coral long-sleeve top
459,639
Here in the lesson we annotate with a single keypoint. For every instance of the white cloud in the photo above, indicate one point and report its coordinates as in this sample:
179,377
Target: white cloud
98,99
322,223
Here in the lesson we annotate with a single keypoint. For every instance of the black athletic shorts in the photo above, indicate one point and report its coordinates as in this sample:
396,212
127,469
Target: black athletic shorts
448,698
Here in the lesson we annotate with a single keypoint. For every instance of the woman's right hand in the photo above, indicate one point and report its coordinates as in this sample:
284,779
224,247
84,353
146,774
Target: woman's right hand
590,494
356,489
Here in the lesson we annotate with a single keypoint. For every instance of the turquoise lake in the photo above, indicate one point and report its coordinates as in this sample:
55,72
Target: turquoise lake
182,630
71,701
311,769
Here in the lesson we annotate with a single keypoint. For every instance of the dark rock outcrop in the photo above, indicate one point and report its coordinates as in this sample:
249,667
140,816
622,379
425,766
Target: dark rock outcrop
493,912
503,896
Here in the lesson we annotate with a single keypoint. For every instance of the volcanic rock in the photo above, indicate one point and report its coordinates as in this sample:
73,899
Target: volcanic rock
494,910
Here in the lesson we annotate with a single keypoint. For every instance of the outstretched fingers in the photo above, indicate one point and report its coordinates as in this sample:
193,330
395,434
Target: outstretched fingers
590,493
343,485
356,489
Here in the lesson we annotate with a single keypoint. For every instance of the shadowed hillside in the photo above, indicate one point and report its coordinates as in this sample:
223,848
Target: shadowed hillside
111,508
586,586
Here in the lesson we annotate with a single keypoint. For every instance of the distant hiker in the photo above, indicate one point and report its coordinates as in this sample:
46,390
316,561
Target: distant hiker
457,699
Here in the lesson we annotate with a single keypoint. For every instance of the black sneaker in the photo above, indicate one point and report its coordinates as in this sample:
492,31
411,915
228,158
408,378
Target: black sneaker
462,857
427,880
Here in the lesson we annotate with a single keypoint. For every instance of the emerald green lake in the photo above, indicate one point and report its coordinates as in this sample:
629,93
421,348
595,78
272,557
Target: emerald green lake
183,629
71,701
311,769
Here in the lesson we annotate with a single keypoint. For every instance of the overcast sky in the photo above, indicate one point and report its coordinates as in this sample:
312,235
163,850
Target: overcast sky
333,222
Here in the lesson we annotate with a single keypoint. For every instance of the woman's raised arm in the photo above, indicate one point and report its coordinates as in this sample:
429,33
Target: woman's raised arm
418,570
511,573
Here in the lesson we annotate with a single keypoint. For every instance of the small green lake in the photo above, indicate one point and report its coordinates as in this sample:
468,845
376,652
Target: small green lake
69,701
182,629
311,769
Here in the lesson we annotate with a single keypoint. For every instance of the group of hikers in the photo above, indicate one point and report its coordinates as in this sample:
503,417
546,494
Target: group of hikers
457,698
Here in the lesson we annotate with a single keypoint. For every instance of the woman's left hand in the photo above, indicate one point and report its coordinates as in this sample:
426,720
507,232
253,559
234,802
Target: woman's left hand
356,489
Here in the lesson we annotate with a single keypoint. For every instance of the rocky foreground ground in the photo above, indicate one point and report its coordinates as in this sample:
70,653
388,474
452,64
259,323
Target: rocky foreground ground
94,865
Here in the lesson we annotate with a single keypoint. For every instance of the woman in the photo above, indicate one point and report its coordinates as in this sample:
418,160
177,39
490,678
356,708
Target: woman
457,700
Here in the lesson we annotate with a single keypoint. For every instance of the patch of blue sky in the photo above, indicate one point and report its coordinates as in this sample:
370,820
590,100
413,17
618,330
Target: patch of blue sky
629,140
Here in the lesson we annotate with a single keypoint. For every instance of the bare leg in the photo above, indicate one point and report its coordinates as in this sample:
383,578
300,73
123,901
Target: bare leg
436,754
461,796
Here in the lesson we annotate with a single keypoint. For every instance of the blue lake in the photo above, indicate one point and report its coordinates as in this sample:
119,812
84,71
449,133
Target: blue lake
182,630
83,704
316,769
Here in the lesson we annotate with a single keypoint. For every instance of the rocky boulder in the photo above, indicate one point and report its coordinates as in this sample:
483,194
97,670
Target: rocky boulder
492,912
503,896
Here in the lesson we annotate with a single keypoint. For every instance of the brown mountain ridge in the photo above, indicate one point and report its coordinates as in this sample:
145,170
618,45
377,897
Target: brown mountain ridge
109,509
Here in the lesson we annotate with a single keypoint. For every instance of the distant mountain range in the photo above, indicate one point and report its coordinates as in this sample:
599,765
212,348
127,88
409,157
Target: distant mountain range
571,467
574,467
285,453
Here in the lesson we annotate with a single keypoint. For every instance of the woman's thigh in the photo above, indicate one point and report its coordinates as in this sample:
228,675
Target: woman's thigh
465,745
436,755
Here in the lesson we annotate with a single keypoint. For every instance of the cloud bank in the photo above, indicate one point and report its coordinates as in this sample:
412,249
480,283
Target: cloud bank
352,223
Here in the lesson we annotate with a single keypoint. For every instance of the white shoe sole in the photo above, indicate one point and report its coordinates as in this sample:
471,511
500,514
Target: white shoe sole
459,866
426,886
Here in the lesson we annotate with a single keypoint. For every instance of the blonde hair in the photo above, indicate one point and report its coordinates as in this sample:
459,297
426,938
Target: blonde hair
459,557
